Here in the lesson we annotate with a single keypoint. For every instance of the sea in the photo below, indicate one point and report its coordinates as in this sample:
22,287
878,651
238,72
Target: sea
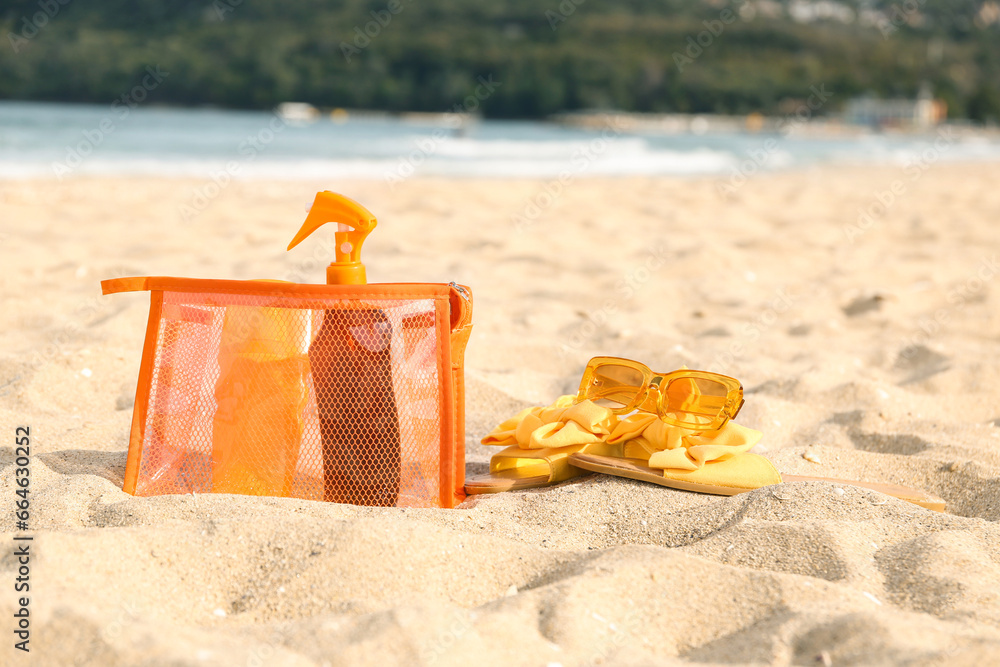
68,140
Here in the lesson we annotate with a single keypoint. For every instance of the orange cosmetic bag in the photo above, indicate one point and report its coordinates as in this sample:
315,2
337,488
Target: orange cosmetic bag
346,392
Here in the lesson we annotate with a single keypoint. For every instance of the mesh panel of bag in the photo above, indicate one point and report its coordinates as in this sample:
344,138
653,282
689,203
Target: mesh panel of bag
295,396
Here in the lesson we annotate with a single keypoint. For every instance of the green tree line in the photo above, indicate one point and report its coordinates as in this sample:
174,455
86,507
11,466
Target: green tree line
548,56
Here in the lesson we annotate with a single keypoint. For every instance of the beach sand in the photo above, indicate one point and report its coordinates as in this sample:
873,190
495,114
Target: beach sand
868,343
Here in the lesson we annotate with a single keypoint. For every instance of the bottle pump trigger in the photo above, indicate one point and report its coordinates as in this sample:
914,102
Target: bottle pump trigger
355,222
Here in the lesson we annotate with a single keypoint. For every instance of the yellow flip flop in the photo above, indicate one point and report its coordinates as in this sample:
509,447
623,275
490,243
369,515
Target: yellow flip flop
715,462
515,469
538,442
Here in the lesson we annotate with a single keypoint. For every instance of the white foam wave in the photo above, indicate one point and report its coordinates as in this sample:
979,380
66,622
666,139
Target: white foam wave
629,158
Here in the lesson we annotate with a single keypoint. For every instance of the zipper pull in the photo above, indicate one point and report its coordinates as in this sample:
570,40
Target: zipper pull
461,290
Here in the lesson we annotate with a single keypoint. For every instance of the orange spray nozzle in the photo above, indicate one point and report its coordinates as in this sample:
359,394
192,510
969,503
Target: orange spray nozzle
355,222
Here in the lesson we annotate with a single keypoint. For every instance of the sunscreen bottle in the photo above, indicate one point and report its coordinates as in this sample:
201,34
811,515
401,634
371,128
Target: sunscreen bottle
351,364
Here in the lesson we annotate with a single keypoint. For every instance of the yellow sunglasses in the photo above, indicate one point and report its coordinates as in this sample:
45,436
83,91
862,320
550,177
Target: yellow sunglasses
696,400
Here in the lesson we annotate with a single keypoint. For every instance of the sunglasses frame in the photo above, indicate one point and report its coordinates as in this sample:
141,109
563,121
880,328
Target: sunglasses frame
734,391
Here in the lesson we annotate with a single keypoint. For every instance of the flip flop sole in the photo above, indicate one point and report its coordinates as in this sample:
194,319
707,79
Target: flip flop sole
635,469
506,480
516,469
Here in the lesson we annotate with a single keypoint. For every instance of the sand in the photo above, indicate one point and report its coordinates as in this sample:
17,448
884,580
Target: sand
868,343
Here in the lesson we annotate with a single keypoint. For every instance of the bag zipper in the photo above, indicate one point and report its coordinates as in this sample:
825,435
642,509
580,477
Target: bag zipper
466,316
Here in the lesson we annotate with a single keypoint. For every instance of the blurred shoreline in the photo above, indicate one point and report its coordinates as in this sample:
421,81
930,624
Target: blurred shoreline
65,141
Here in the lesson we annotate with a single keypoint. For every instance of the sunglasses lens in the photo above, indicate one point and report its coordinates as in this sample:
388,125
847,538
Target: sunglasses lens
694,402
613,386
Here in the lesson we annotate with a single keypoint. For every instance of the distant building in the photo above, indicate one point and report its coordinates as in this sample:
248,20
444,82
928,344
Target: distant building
806,11
989,14
921,113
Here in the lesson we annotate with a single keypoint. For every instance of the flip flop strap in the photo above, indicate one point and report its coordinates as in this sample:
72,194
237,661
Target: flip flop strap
667,447
565,423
